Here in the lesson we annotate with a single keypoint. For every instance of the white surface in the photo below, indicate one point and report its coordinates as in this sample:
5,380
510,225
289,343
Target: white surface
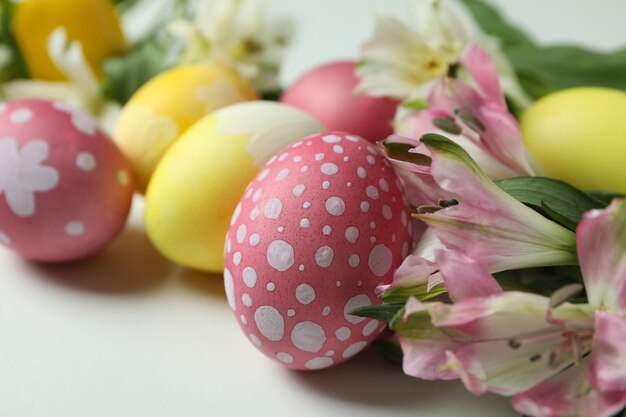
127,334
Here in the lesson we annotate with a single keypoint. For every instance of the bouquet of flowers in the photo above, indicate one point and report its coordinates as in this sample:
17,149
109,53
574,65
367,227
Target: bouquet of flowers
517,285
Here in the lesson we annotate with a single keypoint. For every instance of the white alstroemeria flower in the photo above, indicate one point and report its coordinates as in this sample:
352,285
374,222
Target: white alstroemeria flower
22,174
402,59
237,34
81,91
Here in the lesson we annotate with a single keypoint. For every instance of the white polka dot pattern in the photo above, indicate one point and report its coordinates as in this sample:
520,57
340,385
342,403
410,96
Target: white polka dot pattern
314,244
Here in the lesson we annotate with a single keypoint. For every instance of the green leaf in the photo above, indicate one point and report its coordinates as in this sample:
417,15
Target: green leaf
605,196
563,220
547,69
390,351
127,73
16,68
492,23
401,294
272,95
542,70
382,312
543,280
559,200
123,5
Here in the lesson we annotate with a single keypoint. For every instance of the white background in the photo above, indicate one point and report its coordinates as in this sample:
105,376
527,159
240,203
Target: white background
127,334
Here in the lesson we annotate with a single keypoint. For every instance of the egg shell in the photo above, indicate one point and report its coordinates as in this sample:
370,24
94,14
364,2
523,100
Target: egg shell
313,236
167,105
578,135
196,187
93,23
65,188
327,93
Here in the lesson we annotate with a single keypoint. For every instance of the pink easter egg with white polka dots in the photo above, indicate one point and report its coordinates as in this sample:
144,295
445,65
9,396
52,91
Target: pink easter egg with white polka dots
65,188
321,226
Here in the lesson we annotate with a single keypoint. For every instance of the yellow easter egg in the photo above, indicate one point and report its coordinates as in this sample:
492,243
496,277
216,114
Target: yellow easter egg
94,23
166,106
579,136
196,187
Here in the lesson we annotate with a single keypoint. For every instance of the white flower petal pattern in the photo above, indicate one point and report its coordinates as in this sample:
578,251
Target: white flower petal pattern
82,121
22,175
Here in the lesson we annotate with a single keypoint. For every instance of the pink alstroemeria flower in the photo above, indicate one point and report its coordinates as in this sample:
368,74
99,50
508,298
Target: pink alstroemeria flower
485,222
557,358
480,219
476,118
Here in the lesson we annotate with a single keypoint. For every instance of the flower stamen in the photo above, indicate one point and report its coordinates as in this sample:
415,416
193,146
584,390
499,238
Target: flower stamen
447,202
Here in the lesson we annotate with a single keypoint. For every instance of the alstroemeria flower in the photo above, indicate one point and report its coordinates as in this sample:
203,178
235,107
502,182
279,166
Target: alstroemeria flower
81,91
22,174
402,59
480,219
485,222
557,358
476,118
238,35
418,276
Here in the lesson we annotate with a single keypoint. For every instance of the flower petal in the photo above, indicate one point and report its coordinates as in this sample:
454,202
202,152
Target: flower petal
607,365
570,394
488,224
423,345
505,368
601,242
426,358
397,60
464,277
484,127
510,315
413,125
504,342
483,71
411,279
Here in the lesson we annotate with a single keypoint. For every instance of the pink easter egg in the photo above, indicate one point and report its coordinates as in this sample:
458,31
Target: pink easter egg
65,188
327,93
321,226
